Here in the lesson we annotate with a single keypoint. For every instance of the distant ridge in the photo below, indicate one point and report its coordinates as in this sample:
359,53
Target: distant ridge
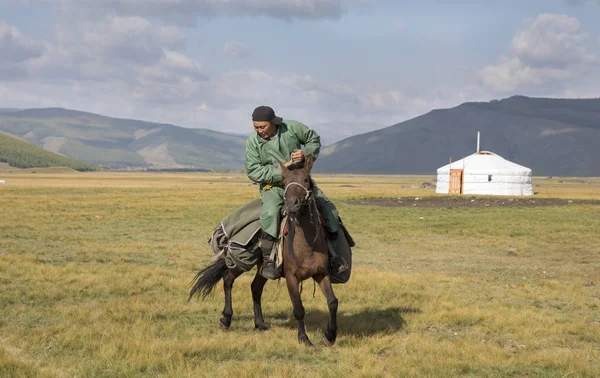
9,110
559,137
124,143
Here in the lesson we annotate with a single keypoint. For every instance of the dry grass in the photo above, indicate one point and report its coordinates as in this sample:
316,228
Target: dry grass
94,270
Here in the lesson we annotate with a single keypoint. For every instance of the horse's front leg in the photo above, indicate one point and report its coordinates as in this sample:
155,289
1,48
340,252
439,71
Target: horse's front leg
228,279
292,285
332,304
257,287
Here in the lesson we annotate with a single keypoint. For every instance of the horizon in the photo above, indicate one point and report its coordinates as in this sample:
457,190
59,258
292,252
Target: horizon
534,132
241,133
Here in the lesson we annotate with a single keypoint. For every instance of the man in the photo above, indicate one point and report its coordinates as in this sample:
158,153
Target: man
286,139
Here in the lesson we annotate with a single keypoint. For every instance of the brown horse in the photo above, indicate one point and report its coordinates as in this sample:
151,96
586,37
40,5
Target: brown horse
305,256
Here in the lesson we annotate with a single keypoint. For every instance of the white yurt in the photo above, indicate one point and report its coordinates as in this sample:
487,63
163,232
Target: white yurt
484,173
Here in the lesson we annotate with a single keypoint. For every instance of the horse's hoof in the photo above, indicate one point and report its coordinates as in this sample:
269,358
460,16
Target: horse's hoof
261,327
329,337
224,326
328,342
305,341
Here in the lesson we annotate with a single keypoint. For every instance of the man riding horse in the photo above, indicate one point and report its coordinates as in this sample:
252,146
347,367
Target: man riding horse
275,137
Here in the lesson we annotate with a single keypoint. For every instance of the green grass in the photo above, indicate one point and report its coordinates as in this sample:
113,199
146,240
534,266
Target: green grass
20,154
94,270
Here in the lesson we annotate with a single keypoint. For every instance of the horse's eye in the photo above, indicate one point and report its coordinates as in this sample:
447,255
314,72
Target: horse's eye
306,179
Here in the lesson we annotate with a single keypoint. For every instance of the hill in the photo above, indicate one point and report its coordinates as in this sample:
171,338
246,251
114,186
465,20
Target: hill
123,143
20,154
559,137
8,110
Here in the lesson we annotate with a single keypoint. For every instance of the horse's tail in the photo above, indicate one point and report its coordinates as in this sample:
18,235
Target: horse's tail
206,279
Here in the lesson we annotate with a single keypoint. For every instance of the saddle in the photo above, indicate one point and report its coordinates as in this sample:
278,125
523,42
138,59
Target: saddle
235,240
342,249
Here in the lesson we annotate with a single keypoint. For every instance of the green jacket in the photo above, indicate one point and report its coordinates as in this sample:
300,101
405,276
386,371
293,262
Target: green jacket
262,167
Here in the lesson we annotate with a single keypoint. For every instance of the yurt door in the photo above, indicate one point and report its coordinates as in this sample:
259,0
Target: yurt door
456,180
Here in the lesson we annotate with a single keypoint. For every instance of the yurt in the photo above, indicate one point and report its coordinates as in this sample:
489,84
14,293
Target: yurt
484,173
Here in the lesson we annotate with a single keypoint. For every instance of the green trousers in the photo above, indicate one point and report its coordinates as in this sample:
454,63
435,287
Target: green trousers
272,202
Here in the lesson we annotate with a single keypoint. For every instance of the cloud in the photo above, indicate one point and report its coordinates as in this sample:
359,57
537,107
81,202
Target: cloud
15,50
551,40
130,65
128,49
186,12
550,48
123,64
236,49
130,38
13,71
317,100
576,3
400,26
224,102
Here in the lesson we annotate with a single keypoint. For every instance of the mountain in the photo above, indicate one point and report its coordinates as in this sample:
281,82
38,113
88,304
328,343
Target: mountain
21,154
123,143
559,137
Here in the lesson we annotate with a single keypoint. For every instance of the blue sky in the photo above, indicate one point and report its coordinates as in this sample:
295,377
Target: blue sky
341,66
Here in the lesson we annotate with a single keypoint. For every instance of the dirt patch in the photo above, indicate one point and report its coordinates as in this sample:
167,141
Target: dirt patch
468,201
53,144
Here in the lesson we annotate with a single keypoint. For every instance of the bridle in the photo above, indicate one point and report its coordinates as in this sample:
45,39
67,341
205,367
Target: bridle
308,192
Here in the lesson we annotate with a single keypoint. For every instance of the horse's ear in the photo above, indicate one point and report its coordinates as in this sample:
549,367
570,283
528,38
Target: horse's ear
308,163
284,170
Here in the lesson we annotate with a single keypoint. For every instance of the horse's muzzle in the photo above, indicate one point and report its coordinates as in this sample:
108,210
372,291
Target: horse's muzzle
293,205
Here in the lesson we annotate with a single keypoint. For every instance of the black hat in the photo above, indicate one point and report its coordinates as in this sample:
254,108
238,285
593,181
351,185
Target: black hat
266,114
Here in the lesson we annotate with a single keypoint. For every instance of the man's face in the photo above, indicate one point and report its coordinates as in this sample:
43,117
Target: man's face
264,129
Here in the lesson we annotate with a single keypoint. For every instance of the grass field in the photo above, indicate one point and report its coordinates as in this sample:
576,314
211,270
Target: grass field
94,269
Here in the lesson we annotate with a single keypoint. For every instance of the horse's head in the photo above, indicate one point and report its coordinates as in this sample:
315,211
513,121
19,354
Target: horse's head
298,185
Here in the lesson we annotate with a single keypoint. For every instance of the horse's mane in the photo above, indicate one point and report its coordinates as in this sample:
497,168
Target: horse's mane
295,166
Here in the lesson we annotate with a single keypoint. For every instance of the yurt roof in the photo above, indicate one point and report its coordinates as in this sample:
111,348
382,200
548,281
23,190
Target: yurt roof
486,162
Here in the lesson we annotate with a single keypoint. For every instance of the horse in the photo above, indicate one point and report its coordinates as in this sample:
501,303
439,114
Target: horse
305,251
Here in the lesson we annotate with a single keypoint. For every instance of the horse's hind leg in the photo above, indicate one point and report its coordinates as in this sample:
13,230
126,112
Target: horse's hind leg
257,289
228,279
292,285
332,304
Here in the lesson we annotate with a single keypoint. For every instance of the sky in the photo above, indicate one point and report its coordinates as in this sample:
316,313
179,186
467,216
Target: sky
347,66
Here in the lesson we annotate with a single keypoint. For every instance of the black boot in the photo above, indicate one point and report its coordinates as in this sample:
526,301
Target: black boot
336,263
268,268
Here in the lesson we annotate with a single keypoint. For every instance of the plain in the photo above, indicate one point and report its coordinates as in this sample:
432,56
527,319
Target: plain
94,271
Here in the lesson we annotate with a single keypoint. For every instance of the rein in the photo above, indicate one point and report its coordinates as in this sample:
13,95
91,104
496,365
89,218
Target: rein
291,232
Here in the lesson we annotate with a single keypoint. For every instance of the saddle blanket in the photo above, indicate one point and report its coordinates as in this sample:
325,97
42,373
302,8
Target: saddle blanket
235,239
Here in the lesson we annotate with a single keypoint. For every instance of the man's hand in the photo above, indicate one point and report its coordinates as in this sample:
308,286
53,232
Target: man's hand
287,164
297,156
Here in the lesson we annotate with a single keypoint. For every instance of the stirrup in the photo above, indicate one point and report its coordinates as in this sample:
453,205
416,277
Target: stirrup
269,271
